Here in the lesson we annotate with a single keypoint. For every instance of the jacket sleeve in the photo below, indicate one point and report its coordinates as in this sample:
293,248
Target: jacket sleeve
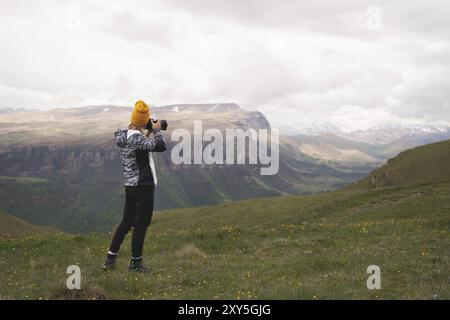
155,144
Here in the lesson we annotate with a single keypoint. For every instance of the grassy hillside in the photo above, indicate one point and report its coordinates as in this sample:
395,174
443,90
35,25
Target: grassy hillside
63,203
310,247
313,247
422,165
12,227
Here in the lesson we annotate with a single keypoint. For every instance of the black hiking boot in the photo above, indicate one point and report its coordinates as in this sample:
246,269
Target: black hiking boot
109,263
136,265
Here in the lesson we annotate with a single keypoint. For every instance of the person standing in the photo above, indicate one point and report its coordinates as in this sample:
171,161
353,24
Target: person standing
136,149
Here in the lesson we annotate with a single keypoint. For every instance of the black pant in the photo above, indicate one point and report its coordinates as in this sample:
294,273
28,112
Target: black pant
137,213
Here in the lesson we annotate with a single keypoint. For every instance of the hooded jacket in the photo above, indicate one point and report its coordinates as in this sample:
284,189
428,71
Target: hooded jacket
136,156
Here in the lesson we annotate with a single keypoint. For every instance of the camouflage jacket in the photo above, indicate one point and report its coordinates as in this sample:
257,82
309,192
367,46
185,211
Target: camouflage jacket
136,156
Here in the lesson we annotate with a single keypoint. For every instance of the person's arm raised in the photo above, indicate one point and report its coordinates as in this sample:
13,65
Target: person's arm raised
154,144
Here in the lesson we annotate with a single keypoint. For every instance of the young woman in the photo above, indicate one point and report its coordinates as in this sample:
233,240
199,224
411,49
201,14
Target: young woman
140,181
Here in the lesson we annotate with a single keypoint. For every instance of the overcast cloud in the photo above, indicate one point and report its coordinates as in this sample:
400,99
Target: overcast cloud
353,64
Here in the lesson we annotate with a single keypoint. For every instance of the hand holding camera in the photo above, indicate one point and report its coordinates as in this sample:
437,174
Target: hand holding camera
156,124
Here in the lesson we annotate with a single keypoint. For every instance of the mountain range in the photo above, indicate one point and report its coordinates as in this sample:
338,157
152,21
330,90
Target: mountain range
380,134
66,166
372,146
64,162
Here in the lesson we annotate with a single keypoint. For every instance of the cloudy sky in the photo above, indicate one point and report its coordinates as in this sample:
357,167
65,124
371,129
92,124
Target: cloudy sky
353,64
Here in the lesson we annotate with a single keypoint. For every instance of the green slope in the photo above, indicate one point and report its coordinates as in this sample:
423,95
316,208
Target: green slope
289,247
310,247
422,165
12,227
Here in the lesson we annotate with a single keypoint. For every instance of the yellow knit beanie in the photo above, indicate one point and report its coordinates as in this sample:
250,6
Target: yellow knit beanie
141,114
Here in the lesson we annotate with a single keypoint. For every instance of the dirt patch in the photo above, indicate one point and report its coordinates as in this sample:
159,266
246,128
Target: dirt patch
189,250
62,293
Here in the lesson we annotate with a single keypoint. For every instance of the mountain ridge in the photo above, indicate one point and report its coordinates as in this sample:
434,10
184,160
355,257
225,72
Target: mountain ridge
74,150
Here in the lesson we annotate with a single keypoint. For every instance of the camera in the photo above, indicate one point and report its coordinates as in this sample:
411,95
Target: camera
162,122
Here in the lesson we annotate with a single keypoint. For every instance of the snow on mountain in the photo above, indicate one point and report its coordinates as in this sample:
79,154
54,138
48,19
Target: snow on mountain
307,129
380,134
389,133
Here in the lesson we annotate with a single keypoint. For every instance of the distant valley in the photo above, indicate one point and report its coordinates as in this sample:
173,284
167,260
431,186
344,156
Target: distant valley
79,178
60,168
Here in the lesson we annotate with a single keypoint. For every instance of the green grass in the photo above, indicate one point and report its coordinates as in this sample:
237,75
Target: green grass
312,247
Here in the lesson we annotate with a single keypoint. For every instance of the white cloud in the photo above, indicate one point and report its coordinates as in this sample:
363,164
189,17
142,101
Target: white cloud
302,61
